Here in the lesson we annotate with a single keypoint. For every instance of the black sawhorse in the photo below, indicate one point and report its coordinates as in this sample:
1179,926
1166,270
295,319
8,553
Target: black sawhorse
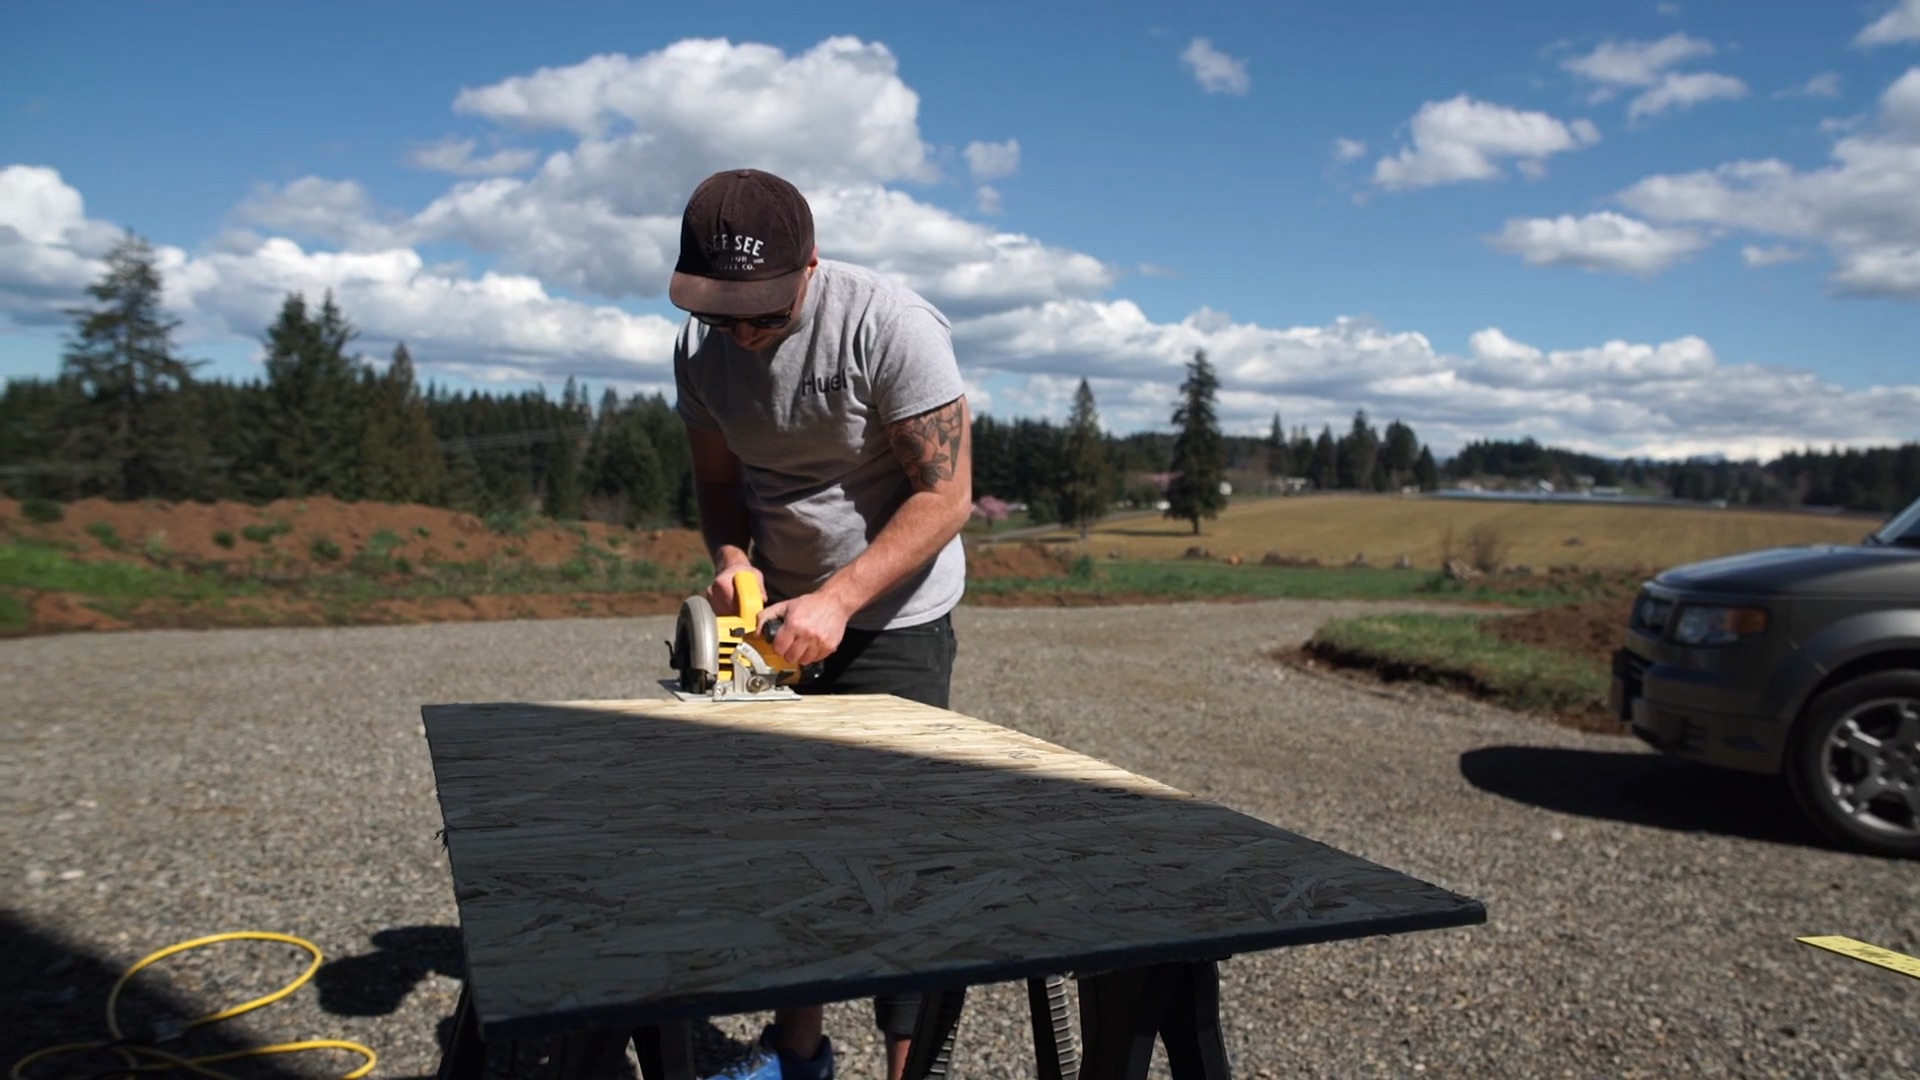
1121,1014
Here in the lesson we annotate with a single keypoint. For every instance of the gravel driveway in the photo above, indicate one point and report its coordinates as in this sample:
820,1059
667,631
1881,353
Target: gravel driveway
163,786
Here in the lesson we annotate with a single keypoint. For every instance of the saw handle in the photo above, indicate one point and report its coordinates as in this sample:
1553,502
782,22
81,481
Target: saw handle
747,595
746,589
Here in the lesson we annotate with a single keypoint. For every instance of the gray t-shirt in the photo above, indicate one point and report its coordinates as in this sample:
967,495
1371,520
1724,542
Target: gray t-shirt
808,424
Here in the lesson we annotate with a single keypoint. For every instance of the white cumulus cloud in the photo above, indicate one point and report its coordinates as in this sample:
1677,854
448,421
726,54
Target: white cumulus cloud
1900,23
1464,139
1862,207
1616,64
1215,71
1684,91
1349,149
1601,241
50,250
837,112
1774,255
456,156
1824,86
993,161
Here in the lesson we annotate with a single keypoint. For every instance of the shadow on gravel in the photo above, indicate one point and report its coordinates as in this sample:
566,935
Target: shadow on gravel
53,992
1642,789
377,983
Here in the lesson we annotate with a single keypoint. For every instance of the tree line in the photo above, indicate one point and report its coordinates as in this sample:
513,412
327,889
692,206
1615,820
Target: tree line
127,418
1879,479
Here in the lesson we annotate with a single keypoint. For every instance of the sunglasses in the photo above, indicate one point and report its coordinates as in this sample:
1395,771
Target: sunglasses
763,322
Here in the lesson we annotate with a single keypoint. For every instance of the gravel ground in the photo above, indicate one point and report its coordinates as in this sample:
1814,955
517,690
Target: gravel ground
163,786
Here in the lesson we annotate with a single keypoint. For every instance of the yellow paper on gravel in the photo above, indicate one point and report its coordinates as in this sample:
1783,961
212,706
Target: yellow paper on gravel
1872,954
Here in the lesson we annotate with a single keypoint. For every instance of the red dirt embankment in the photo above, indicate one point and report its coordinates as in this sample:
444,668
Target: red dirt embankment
282,550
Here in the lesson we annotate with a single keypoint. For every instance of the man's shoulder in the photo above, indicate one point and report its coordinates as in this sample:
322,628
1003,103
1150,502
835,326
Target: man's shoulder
880,295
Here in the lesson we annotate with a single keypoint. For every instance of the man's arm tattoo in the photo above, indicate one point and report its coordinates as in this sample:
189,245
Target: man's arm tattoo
928,445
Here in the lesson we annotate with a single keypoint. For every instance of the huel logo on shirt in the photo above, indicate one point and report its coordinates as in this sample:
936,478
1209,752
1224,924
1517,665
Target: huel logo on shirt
824,384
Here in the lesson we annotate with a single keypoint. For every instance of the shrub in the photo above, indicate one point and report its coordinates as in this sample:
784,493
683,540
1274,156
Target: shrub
1082,569
43,511
422,531
264,534
1487,546
324,549
224,538
104,532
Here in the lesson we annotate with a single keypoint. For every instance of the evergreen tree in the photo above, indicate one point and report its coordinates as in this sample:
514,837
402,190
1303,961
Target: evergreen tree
400,459
1359,449
130,432
462,488
33,416
1199,457
1425,473
1400,451
1086,485
565,497
1325,470
624,479
314,409
1279,456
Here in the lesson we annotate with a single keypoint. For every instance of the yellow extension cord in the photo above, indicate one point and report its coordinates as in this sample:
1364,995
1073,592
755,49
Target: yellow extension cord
132,1052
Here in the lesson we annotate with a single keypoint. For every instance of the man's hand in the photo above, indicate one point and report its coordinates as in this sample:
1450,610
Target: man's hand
814,626
722,595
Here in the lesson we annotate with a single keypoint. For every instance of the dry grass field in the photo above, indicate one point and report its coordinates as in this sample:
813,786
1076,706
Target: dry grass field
1333,528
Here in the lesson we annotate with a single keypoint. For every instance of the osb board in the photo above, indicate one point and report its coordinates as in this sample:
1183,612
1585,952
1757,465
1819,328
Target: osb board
623,862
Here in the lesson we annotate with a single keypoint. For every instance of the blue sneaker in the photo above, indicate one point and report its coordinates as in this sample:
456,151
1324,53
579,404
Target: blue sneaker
767,1062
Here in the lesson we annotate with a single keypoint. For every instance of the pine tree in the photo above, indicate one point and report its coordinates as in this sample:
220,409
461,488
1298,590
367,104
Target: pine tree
565,499
1086,485
1199,454
130,428
314,403
1279,459
1358,451
1401,449
626,479
400,459
1325,470
462,489
1425,473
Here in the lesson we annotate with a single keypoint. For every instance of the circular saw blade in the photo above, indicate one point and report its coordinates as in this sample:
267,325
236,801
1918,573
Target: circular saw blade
696,642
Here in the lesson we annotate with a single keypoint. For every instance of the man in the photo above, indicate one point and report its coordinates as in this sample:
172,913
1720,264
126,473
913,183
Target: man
832,457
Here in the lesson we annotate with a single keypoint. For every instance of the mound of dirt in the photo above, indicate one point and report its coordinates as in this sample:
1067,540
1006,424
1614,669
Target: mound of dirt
1592,630
1026,560
289,531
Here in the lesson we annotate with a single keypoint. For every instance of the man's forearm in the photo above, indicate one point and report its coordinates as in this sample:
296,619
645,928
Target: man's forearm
913,536
723,523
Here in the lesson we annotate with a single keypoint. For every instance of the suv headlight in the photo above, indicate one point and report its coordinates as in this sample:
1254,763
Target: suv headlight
1718,625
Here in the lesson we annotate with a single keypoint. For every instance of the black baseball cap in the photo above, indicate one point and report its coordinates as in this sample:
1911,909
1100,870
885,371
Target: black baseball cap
745,241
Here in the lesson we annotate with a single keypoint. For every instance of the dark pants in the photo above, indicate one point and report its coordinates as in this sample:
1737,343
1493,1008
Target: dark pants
912,662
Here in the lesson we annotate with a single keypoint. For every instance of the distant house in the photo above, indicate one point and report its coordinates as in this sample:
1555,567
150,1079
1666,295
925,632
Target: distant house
1544,487
1583,482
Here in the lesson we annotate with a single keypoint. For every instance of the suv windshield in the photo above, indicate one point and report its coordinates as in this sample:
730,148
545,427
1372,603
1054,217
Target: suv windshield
1903,530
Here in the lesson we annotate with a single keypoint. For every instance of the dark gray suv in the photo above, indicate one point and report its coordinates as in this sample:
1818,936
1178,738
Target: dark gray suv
1798,660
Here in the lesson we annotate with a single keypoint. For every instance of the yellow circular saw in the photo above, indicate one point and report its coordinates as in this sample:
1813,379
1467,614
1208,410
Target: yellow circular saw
729,657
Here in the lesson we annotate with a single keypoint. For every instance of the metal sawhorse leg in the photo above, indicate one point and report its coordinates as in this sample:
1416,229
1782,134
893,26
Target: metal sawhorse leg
1121,1014
665,1050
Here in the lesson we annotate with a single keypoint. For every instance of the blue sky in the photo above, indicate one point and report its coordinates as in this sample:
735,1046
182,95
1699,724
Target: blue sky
1541,224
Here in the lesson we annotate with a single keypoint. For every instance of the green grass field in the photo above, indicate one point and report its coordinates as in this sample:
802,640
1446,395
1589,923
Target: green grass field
1451,650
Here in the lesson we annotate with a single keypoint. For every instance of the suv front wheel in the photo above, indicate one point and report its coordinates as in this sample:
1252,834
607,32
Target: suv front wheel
1854,763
